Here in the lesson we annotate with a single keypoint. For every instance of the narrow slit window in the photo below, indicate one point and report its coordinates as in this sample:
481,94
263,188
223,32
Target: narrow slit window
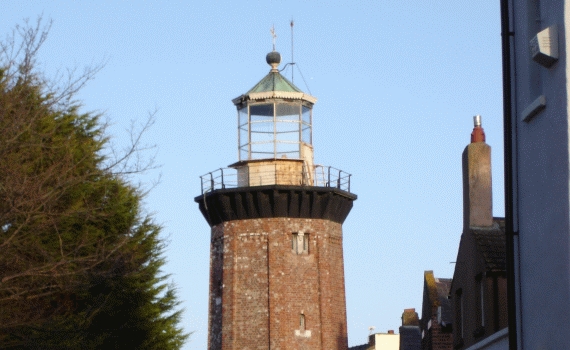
294,242
482,288
459,313
480,305
481,301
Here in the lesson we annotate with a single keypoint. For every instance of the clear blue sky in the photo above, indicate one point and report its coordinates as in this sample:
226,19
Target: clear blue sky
397,85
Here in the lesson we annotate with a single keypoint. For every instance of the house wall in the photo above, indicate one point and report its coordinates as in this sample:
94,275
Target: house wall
464,293
410,338
433,336
541,168
469,271
259,286
383,341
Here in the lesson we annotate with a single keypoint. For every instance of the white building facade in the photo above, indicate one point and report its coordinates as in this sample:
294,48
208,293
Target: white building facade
537,171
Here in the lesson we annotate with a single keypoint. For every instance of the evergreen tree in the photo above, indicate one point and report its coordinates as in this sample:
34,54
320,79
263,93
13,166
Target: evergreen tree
79,260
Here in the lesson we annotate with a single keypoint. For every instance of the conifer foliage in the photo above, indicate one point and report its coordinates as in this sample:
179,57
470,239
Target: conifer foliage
80,261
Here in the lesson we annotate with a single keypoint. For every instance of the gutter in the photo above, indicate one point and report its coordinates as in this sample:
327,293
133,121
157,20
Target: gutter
506,35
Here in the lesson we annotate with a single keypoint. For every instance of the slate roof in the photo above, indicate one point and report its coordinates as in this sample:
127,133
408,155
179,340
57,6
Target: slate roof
443,287
492,245
359,347
437,290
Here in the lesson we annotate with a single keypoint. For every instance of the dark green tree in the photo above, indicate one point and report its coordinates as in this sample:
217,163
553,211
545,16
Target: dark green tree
80,261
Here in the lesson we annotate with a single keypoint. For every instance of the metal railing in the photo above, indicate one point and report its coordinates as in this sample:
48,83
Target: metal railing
319,176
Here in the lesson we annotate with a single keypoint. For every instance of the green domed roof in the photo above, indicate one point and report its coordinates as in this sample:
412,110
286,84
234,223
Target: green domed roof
274,85
274,81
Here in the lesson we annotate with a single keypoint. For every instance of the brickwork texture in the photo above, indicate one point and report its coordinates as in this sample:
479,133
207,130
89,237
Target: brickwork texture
268,293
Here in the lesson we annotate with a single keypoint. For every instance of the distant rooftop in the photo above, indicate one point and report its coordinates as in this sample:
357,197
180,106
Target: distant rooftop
436,291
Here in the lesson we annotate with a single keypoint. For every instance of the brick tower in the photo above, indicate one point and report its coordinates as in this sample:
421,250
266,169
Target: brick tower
276,260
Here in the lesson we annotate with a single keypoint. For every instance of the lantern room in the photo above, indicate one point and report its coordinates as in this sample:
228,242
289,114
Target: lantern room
274,118
275,139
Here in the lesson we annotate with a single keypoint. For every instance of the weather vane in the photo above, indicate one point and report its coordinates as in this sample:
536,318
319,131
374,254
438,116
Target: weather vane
273,35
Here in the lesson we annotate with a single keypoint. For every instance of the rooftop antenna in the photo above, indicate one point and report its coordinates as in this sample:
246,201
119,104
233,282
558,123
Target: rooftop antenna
292,63
292,60
273,36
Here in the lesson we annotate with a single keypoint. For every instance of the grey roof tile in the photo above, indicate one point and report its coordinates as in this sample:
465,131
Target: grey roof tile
492,245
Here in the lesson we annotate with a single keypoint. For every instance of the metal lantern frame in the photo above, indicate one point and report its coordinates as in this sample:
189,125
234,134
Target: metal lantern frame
274,128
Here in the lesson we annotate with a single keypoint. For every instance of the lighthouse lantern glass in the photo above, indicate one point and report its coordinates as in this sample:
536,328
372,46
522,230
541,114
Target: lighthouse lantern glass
273,130
307,130
243,134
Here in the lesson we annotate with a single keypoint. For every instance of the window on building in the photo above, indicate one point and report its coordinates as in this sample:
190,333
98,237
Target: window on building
300,243
302,325
482,300
459,312
480,305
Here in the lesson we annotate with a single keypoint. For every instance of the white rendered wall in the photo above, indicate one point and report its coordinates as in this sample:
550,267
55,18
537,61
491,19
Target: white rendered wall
541,170
386,341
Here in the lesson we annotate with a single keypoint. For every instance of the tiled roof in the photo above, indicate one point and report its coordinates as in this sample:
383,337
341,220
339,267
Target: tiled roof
359,347
491,244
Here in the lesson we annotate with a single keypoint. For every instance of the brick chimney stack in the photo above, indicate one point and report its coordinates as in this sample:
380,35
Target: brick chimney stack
477,190
410,334
410,317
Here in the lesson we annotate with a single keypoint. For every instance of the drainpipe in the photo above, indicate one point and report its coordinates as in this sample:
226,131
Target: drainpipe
506,35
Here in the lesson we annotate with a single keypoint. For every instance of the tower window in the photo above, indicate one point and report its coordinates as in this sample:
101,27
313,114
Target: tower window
302,326
459,313
300,243
480,305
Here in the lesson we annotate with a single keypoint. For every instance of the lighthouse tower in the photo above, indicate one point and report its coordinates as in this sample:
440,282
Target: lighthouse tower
276,260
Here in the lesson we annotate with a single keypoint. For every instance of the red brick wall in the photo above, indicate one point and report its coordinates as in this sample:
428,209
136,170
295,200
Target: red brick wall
435,338
259,287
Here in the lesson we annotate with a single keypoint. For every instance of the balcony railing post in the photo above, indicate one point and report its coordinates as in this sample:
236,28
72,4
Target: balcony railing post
309,176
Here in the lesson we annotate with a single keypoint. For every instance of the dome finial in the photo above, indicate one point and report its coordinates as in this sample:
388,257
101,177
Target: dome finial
273,59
